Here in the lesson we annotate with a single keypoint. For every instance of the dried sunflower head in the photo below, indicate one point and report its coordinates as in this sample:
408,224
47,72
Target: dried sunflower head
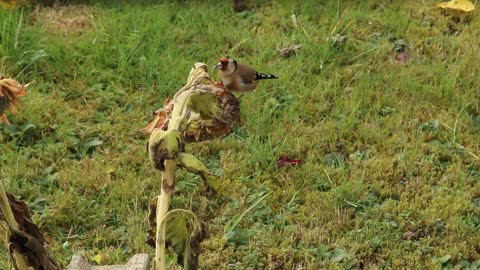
10,92
208,111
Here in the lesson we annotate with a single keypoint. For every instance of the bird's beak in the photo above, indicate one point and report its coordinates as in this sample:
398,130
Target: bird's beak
218,65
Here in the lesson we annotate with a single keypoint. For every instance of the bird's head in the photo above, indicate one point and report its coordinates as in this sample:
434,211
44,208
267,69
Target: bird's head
226,64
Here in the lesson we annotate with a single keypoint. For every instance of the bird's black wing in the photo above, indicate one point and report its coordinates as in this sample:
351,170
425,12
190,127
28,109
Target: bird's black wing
263,76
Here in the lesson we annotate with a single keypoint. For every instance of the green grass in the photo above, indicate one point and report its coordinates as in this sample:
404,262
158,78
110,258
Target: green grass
389,150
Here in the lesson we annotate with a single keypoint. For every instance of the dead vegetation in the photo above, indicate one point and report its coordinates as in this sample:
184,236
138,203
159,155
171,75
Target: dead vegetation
69,19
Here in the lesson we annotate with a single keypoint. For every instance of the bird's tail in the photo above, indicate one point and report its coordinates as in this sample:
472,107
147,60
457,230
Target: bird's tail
263,76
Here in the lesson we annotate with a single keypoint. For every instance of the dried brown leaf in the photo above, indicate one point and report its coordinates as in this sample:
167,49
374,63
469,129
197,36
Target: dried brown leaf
161,118
152,222
68,19
290,50
10,92
28,240
201,129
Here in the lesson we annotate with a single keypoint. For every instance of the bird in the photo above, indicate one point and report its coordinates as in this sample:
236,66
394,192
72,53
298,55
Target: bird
239,78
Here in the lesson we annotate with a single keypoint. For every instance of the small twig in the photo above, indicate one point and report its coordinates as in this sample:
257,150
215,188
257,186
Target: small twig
339,20
233,224
365,52
338,9
455,125
454,135
17,34
447,126
351,203
466,150
297,23
329,179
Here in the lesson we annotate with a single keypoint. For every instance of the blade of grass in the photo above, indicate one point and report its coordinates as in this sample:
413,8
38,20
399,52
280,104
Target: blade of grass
233,224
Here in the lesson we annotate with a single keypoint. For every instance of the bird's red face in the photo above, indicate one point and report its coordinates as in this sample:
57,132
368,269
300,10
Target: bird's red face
226,64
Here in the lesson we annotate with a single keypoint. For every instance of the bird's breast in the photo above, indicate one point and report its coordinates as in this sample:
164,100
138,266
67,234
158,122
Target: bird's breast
226,80
230,83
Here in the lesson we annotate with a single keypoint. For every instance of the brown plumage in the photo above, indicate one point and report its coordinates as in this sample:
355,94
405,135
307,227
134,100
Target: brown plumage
239,78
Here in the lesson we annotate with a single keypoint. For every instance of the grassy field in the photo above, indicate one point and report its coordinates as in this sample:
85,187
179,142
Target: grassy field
389,144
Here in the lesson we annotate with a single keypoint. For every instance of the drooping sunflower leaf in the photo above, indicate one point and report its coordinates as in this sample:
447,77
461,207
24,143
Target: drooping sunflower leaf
200,128
184,232
194,165
204,103
164,145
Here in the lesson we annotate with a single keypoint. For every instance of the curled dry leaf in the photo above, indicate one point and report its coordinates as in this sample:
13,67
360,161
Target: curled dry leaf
28,240
290,50
161,118
164,145
338,41
152,222
10,92
184,233
413,235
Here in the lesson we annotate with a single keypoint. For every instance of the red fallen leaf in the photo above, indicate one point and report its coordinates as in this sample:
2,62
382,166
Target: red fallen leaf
283,160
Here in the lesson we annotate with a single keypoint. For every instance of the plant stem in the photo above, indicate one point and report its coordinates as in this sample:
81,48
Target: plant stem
168,186
163,203
7,213
176,122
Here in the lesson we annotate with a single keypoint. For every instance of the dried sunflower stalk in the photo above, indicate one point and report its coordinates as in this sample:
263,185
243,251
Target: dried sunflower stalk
198,111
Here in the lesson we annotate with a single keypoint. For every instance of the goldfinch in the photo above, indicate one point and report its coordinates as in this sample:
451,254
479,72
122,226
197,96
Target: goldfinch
237,77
